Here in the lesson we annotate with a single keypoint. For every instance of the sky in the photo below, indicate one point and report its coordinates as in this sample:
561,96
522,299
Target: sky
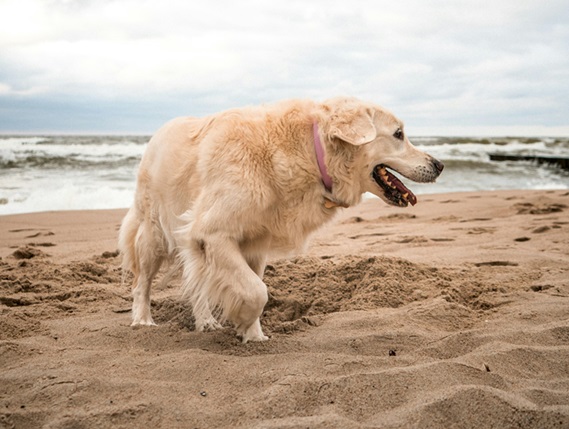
445,67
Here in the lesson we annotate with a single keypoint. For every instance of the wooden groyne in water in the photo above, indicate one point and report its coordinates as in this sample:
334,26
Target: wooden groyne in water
561,161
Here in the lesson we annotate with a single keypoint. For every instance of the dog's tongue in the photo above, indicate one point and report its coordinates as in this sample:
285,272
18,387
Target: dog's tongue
405,192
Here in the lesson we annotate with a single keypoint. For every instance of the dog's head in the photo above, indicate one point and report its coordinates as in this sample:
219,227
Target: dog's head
378,143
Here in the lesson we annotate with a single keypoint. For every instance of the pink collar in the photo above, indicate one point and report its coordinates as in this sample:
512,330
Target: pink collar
326,179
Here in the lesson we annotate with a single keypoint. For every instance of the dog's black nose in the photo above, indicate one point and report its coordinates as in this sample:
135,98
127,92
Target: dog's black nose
438,165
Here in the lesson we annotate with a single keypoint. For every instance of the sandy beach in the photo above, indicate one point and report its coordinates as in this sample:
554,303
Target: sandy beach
450,314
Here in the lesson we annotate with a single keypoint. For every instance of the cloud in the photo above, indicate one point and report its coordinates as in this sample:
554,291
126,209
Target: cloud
440,64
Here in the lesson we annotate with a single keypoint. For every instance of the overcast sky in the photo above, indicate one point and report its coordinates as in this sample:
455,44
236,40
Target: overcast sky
126,66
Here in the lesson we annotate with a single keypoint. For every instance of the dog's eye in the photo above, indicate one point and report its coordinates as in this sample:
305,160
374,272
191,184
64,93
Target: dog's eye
398,134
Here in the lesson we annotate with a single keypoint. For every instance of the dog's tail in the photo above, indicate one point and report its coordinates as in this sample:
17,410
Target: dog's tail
127,244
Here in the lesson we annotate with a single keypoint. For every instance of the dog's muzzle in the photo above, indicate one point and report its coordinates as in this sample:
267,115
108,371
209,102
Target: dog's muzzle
395,191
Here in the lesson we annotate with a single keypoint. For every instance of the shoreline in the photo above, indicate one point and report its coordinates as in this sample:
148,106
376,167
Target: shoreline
454,310
76,228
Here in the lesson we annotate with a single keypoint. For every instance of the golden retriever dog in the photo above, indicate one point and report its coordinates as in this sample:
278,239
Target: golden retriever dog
222,193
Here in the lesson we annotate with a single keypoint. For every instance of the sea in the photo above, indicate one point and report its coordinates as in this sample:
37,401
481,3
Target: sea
44,173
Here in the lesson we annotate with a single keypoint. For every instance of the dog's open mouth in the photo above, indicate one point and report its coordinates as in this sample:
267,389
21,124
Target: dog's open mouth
395,191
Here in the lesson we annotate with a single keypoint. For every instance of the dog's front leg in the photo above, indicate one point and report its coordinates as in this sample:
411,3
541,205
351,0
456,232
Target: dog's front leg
227,282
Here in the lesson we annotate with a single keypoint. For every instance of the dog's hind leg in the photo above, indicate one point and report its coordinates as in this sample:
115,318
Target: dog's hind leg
173,270
150,251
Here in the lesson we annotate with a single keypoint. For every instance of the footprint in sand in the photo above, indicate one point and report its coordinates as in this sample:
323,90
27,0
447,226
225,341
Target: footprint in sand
27,253
22,229
539,288
376,234
476,219
108,254
355,219
476,231
398,216
41,234
450,218
37,234
522,239
496,264
412,239
529,208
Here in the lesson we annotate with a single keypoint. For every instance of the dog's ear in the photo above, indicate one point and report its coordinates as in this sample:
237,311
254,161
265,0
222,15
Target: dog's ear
352,122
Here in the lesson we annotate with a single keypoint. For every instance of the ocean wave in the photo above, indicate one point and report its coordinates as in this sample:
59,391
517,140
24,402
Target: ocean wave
70,152
476,151
10,142
115,151
68,162
87,172
67,196
499,141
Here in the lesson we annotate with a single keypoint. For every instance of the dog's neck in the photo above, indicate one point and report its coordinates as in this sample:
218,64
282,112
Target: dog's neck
326,179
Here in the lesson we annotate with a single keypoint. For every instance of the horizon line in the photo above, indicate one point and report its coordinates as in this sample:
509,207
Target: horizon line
418,131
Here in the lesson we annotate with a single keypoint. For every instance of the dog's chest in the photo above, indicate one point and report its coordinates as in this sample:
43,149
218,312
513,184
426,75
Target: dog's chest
290,226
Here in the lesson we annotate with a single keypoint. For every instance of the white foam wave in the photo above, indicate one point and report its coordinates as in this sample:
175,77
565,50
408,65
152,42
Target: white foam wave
15,149
68,197
480,151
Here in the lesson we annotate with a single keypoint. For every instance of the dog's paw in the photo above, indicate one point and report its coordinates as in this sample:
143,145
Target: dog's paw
141,314
150,323
143,321
255,338
253,333
208,325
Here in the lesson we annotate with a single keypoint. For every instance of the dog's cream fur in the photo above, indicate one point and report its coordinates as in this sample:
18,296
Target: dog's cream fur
221,193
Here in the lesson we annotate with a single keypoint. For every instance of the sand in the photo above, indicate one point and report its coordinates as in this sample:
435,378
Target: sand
453,313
